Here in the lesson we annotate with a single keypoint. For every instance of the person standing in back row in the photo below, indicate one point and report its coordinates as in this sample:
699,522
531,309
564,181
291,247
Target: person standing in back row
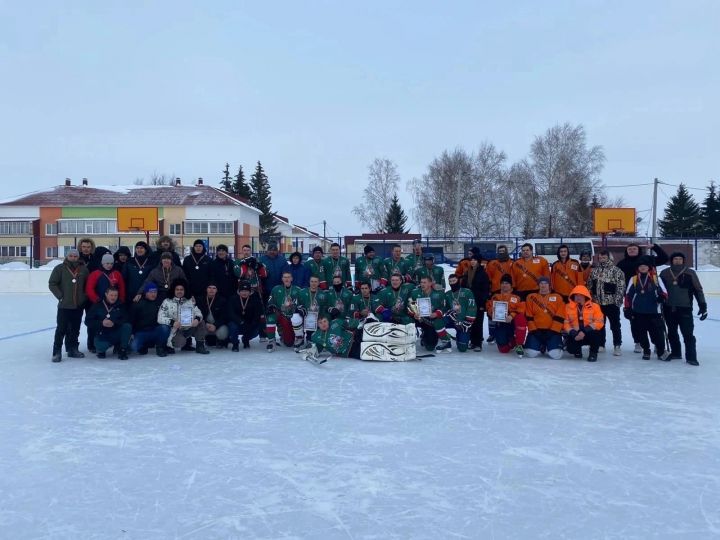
629,266
682,284
527,271
607,287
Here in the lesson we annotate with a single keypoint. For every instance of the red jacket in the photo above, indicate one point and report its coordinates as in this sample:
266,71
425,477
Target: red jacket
99,281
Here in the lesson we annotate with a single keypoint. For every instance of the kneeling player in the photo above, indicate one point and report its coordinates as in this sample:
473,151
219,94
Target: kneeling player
461,312
583,322
545,314
339,337
427,305
511,330
393,301
283,313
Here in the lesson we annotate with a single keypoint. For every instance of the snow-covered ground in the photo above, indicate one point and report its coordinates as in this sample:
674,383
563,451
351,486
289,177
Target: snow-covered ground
251,445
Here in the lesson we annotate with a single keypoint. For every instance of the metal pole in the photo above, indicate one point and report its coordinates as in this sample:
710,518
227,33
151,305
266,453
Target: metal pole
654,212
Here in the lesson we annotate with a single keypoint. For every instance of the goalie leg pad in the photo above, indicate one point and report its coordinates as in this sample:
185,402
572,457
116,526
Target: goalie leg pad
386,332
385,352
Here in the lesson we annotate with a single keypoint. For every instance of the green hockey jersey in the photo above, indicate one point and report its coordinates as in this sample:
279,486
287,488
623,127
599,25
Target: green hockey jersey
437,300
392,267
285,299
337,267
396,301
317,270
413,261
437,273
370,271
314,301
342,300
361,307
462,303
338,339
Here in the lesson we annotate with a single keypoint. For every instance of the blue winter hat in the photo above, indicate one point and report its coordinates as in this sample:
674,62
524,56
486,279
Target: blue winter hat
150,286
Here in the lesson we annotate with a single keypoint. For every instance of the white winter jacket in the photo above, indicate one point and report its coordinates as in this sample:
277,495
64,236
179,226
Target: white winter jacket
170,310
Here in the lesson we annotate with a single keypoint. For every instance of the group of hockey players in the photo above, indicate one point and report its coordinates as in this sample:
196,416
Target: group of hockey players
152,299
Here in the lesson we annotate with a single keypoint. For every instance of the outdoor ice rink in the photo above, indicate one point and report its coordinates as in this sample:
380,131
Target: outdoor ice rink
254,445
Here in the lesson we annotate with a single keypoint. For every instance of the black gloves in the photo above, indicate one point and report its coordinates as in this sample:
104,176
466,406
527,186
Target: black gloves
627,313
703,311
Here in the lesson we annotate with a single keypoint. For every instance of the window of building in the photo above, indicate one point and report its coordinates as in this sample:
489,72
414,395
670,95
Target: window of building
209,227
50,229
175,229
13,251
87,226
14,228
51,252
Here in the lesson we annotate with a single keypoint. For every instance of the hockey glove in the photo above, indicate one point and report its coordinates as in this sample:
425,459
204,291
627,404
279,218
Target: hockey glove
334,313
377,289
627,313
386,315
703,312
301,310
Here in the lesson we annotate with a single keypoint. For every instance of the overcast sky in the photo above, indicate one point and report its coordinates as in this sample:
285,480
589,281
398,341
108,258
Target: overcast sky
113,91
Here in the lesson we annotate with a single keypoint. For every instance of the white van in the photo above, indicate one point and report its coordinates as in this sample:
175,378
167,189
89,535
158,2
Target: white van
547,247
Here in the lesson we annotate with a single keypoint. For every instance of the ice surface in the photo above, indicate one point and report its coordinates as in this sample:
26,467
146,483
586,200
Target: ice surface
256,445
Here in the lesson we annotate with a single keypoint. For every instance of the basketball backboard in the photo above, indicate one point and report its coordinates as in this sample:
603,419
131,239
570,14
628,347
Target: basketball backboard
614,220
135,219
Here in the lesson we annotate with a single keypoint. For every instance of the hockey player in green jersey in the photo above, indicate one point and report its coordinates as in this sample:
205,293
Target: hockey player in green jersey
370,269
395,264
429,269
315,265
312,302
340,298
430,318
364,303
393,301
338,336
336,265
282,312
461,311
414,260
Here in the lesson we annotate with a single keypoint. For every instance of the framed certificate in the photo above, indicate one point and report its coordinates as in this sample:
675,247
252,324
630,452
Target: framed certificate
186,316
500,311
424,306
311,318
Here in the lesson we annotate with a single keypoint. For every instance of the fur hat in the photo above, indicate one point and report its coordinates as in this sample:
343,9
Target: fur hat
677,254
645,260
179,281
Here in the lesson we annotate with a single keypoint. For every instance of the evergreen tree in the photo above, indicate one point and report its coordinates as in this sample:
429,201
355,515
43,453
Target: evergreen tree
260,199
226,182
682,215
711,211
240,186
395,220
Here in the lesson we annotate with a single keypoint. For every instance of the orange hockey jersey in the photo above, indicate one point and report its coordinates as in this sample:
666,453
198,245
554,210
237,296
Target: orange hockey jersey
525,273
545,312
564,276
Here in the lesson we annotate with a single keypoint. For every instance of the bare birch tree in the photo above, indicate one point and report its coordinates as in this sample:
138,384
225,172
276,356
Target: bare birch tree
383,184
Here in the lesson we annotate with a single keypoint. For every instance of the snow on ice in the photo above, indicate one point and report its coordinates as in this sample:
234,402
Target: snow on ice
256,445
